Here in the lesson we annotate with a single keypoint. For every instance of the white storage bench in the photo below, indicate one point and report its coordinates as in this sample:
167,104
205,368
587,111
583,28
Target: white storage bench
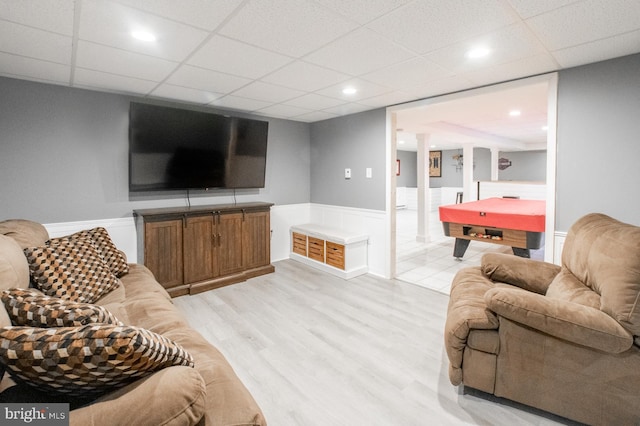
339,252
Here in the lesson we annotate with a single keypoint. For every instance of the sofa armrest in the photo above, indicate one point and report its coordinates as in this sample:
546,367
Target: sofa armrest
171,396
565,320
532,275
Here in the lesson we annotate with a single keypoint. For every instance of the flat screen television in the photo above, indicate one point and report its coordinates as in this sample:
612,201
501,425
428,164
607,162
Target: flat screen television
173,149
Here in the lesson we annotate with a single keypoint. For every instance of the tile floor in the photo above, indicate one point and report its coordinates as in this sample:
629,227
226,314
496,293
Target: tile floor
432,264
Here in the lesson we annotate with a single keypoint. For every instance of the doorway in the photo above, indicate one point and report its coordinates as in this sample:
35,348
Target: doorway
461,122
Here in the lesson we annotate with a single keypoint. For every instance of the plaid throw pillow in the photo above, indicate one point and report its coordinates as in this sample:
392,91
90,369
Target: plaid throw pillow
88,360
112,256
32,308
71,269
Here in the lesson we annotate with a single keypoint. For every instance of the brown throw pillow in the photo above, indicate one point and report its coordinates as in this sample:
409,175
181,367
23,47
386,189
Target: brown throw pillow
71,269
112,256
88,360
32,308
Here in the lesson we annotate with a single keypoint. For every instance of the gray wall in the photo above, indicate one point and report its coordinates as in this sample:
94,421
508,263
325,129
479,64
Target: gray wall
482,164
599,141
525,166
355,141
64,157
408,169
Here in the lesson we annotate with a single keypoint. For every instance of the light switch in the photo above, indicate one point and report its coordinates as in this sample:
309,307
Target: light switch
369,172
347,173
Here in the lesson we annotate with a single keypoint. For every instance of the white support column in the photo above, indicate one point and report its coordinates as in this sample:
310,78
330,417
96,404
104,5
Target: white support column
495,156
423,189
467,173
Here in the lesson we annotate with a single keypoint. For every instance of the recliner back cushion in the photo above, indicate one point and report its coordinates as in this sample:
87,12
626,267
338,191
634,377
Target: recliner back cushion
603,253
565,286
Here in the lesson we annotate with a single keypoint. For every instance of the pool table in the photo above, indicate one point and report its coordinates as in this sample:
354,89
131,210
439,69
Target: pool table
507,221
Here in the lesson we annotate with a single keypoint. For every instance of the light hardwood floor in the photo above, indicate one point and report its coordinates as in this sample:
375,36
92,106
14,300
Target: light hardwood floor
314,349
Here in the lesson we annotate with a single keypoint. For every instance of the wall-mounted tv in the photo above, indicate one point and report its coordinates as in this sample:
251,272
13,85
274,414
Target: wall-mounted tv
173,149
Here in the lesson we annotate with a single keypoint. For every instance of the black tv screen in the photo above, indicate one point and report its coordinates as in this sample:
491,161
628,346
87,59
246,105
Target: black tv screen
172,148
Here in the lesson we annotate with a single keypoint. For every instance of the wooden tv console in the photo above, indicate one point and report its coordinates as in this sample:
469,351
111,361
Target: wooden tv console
198,248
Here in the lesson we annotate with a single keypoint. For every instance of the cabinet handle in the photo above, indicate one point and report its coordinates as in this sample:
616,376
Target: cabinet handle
219,240
243,213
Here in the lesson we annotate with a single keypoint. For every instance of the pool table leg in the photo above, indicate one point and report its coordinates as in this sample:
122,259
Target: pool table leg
521,252
460,247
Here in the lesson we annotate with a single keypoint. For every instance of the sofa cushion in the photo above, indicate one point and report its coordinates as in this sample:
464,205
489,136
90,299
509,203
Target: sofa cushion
14,270
113,257
32,308
565,286
26,233
603,253
88,360
71,269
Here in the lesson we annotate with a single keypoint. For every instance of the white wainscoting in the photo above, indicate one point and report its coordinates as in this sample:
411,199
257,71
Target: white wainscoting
558,245
370,222
121,230
361,221
524,190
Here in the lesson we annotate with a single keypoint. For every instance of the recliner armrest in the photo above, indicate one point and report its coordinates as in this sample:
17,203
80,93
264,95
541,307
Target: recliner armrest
532,275
565,320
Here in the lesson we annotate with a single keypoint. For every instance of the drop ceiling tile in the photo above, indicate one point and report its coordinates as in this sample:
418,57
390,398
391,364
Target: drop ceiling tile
387,99
207,80
525,67
599,50
270,24
239,103
233,57
186,94
267,92
506,45
116,61
426,25
585,22
441,87
315,116
33,69
283,111
314,101
34,43
364,89
528,8
345,109
414,72
359,52
111,24
362,11
52,15
305,76
95,79
203,14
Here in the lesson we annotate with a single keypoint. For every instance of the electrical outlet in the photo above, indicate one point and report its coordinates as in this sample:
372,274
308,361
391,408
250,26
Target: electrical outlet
347,173
369,173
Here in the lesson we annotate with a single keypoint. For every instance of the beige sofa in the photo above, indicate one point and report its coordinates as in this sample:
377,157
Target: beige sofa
210,393
563,339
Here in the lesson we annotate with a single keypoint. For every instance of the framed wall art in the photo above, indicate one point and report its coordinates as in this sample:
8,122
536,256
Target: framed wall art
435,163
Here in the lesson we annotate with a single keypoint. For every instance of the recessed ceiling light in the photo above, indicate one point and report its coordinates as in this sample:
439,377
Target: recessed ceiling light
545,128
143,35
514,113
478,52
349,90
401,142
433,146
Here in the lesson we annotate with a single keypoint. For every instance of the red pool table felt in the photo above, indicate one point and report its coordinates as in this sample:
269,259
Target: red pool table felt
506,213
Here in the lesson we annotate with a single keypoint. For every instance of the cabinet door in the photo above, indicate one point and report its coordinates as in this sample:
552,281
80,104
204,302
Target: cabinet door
199,248
256,235
229,250
163,251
